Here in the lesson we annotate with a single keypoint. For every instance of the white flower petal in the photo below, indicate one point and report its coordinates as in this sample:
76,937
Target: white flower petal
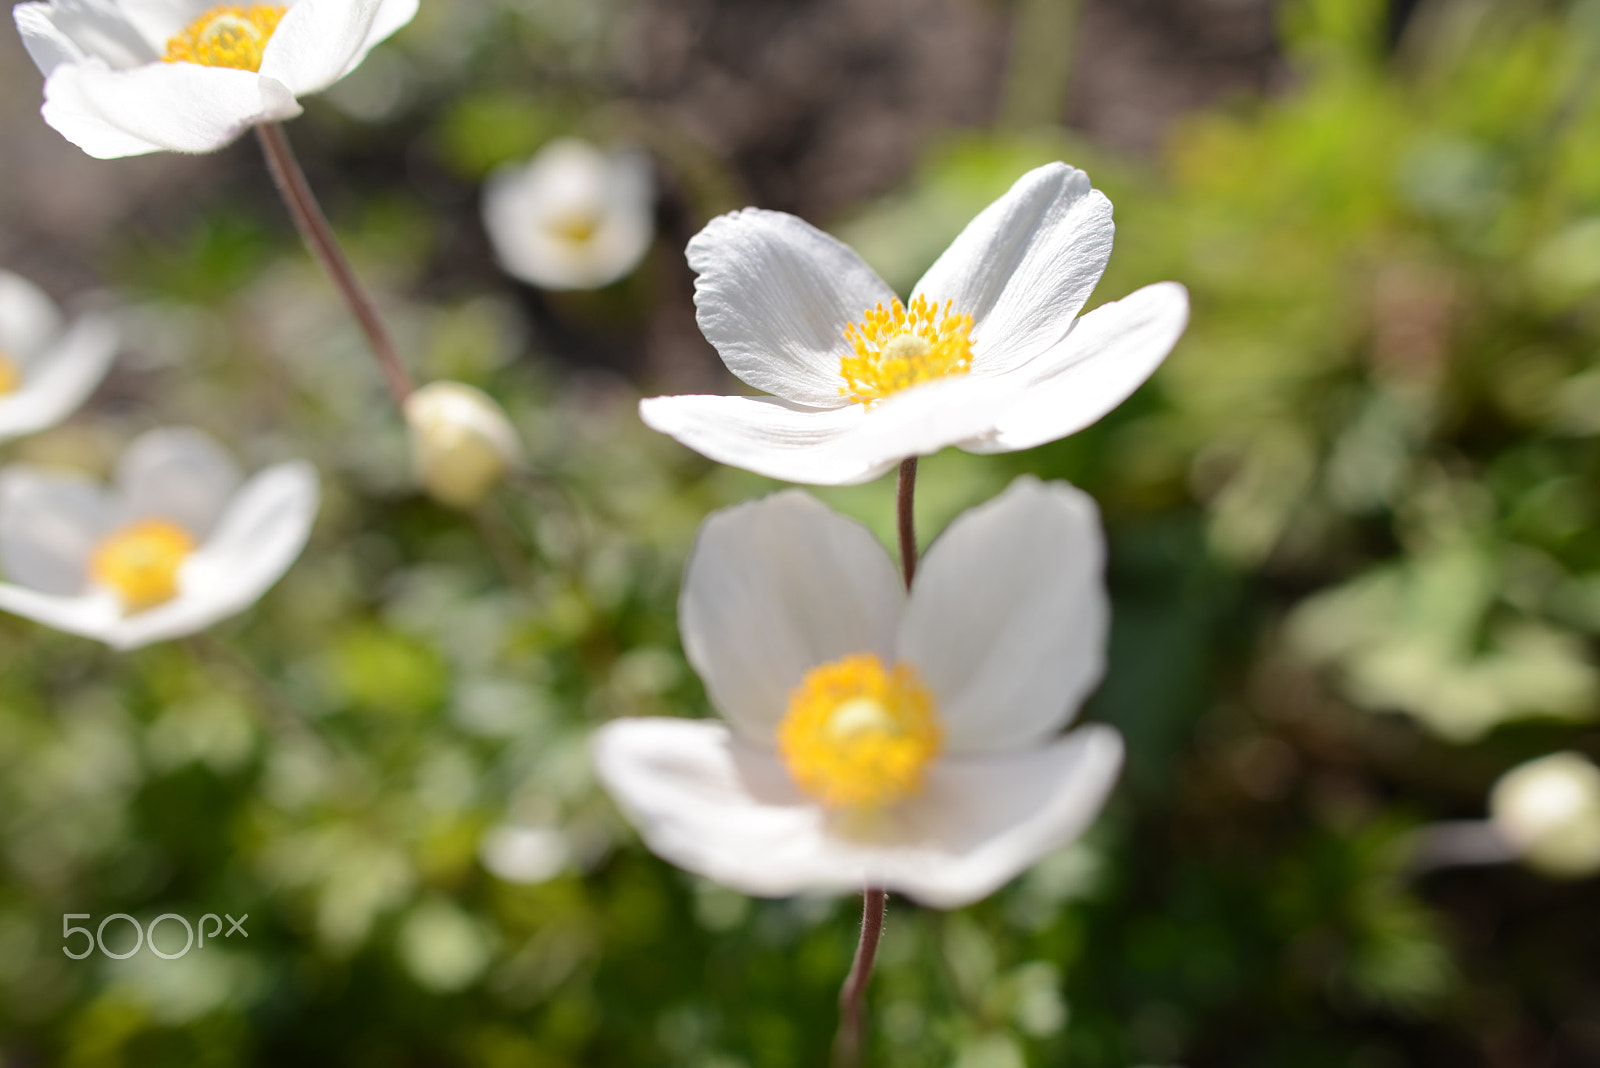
317,42
181,107
50,523
176,473
1008,616
982,821
837,447
262,532
159,21
1025,265
767,435
29,320
72,31
772,589
774,295
1109,354
57,382
391,16
728,811
91,615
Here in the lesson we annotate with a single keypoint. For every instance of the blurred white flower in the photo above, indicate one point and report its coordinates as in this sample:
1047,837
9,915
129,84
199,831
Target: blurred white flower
126,77
875,738
176,545
47,369
1549,810
987,356
525,855
461,442
573,217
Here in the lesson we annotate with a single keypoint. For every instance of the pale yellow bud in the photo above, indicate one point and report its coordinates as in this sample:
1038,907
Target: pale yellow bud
461,442
1549,810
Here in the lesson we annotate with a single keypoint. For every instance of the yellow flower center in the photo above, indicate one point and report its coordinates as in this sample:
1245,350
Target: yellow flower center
226,36
577,227
858,736
140,562
903,347
10,374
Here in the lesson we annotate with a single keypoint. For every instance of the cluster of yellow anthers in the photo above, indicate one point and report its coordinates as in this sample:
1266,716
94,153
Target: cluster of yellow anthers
226,36
858,736
10,376
141,561
901,347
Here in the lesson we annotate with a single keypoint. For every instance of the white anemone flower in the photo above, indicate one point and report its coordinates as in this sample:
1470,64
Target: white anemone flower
462,443
126,77
179,542
573,217
987,355
47,368
1549,811
874,738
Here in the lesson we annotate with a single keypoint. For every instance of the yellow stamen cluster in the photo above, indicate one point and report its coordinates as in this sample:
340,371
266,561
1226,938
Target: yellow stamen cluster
10,374
901,347
576,227
858,736
141,561
226,36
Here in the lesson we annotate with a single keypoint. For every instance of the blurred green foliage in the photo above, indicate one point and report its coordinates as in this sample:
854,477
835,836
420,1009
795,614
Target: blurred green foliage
1355,568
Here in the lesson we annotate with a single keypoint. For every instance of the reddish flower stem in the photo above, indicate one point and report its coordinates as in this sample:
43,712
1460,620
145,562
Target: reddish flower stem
319,237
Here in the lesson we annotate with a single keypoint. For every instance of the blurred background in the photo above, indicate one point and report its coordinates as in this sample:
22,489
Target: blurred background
1355,564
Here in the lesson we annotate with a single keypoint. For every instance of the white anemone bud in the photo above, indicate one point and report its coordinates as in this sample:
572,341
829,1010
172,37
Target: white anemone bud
461,442
1549,810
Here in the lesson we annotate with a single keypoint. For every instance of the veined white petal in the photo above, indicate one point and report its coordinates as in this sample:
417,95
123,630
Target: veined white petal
727,810
837,447
181,107
1109,354
176,473
29,320
50,523
766,435
263,531
317,42
90,615
73,31
58,381
1025,265
1008,616
774,588
981,821
774,295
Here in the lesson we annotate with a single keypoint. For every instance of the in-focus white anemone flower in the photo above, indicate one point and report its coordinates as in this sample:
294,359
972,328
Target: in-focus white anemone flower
573,217
47,369
987,355
174,546
126,77
1549,810
874,738
461,442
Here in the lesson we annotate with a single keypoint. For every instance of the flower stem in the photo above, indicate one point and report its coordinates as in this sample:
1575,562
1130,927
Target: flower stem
874,902
313,226
852,1015
905,497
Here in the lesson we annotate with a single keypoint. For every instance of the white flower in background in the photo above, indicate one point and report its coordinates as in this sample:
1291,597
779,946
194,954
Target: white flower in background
47,368
1549,810
573,217
461,442
125,77
174,546
875,738
987,355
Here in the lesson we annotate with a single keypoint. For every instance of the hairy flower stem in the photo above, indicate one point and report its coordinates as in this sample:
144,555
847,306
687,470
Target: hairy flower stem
313,226
874,902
